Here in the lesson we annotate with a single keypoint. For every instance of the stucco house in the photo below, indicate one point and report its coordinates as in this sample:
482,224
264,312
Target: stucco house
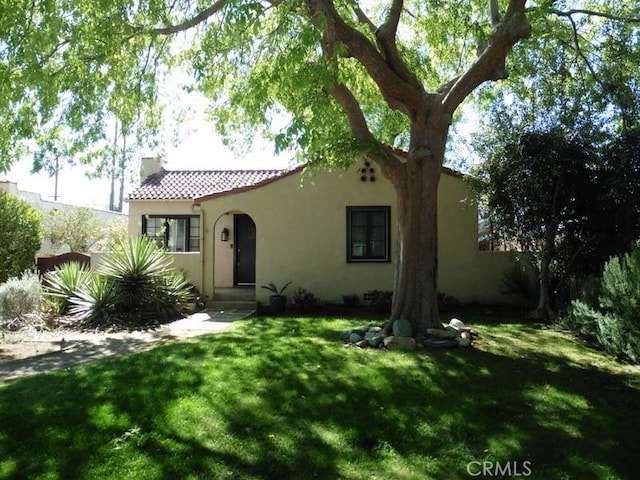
331,233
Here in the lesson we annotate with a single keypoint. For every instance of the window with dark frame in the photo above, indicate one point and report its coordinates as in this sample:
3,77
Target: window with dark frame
178,233
368,234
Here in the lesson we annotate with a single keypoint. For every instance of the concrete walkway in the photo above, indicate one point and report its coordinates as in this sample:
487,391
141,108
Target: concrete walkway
81,348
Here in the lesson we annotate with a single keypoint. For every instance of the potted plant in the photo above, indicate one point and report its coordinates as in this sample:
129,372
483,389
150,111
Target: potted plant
277,301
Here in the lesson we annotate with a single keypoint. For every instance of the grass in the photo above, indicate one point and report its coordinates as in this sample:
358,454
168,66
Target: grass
281,398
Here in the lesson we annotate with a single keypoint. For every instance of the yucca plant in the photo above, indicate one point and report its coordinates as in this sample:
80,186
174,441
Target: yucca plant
137,265
147,287
171,295
64,282
96,300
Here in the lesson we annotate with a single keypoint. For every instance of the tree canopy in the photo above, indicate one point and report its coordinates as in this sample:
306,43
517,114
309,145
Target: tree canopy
331,79
79,228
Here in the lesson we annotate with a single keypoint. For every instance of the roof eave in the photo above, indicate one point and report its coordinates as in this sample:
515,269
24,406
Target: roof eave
285,174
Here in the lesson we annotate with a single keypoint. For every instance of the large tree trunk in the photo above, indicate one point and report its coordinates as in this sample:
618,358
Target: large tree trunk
416,176
416,272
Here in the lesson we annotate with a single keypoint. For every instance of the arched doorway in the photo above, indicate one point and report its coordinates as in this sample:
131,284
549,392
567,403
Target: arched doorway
244,232
234,246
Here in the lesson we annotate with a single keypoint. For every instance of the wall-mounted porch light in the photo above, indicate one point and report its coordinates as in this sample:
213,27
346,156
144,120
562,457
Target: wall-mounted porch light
224,235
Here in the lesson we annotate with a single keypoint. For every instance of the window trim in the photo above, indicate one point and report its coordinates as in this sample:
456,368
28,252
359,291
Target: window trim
187,239
369,259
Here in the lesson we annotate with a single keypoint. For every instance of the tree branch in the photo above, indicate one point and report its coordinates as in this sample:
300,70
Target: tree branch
357,121
362,18
576,42
494,12
399,93
382,155
192,22
594,13
386,37
511,28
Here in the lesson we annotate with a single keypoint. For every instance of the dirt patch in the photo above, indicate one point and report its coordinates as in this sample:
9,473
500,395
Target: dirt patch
37,337
18,351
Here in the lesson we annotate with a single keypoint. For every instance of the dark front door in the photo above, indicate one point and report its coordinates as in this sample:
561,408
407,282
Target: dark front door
245,250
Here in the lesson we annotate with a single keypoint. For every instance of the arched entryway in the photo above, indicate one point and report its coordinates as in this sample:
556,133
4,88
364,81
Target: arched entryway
244,271
234,250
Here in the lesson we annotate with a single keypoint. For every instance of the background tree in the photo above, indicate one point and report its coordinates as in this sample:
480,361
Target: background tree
566,198
20,236
539,191
346,78
619,209
587,90
116,233
77,227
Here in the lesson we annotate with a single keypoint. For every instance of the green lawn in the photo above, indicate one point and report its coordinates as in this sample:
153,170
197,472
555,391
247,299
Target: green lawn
282,398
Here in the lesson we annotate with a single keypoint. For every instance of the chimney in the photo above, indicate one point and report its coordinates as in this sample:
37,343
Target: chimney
150,166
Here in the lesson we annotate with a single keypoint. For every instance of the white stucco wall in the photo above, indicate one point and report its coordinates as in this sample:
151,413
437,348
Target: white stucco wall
46,206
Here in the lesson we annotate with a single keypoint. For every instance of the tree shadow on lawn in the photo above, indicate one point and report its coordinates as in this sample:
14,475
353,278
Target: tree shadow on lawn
561,416
281,398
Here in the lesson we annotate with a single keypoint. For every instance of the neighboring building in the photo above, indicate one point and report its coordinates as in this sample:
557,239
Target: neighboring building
46,206
332,233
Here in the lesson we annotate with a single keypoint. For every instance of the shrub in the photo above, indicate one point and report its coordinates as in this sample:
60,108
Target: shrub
582,318
134,284
380,300
63,282
138,285
77,227
115,234
20,296
303,299
351,301
609,313
172,294
137,266
20,236
521,280
96,300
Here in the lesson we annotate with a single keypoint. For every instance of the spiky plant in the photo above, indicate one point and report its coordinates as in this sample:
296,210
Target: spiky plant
172,293
96,301
137,265
64,282
148,289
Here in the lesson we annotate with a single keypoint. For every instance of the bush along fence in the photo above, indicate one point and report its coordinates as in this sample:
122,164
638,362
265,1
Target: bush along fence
607,312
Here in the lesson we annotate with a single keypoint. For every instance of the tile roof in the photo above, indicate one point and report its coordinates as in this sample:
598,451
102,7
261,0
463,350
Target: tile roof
193,184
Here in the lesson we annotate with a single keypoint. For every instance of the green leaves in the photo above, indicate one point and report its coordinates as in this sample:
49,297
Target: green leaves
73,65
610,316
137,265
20,235
67,68
577,67
63,282
77,227
97,300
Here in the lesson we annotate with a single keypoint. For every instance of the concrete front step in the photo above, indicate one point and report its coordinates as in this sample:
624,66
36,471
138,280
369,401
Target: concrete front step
235,294
219,305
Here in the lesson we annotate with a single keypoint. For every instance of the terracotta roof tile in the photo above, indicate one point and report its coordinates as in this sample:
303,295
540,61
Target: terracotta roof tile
192,184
